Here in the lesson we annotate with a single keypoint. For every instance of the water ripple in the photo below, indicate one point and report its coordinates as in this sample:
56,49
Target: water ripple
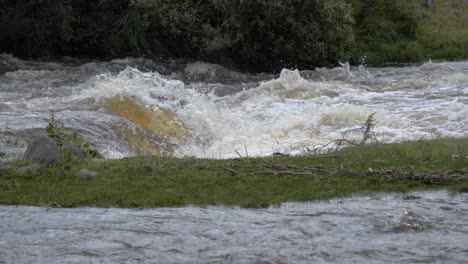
382,229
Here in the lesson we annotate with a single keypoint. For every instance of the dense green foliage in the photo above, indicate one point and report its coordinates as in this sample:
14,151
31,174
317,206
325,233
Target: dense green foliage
248,182
255,35
41,28
386,31
401,31
444,33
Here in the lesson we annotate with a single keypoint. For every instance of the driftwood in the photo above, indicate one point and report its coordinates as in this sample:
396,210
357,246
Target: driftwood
437,177
278,169
368,134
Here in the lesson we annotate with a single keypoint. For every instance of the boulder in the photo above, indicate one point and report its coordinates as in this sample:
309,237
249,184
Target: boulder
43,150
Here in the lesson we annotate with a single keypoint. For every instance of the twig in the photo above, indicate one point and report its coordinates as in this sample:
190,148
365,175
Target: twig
233,172
438,177
367,134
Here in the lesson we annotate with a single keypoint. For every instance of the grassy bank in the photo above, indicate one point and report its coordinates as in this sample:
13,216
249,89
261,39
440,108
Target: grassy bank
247,182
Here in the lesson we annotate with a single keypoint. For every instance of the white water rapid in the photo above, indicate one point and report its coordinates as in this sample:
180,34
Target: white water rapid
225,113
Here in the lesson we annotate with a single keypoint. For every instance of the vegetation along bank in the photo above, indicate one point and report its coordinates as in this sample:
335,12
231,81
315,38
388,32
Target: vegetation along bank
249,35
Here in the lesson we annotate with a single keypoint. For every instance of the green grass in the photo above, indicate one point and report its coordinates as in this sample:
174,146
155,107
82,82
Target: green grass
444,33
441,34
146,182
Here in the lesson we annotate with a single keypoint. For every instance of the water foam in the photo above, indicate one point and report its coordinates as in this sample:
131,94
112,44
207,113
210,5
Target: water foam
287,114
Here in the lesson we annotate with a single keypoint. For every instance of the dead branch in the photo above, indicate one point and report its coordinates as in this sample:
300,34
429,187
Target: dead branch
437,177
271,168
367,130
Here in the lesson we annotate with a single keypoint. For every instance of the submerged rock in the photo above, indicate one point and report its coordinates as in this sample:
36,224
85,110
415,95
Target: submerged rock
43,150
204,71
86,173
149,117
156,127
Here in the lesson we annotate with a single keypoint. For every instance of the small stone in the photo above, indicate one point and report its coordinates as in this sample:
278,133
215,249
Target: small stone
370,170
86,173
32,169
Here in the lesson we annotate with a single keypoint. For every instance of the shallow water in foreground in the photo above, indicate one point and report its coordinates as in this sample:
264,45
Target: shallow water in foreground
428,227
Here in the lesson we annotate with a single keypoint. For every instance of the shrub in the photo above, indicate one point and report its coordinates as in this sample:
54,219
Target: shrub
381,28
33,28
254,34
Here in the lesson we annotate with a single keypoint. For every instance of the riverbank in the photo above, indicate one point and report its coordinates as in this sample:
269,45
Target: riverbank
148,182
246,35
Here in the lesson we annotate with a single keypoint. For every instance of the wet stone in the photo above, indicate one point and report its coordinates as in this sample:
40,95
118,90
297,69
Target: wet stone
86,173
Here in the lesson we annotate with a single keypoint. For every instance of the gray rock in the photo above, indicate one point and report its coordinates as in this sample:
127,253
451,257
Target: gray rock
43,150
429,4
32,169
454,3
86,173
71,150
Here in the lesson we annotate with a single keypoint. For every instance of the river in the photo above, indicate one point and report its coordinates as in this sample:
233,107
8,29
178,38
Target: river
430,227
127,107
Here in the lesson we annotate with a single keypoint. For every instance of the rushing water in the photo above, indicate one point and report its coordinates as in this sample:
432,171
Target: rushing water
422,228
137,106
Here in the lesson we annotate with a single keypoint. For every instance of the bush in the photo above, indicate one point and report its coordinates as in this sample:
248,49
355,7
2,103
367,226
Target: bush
33,26
383,27
254,34
38,28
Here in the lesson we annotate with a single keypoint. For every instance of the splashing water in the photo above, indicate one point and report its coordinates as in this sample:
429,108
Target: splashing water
221,112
